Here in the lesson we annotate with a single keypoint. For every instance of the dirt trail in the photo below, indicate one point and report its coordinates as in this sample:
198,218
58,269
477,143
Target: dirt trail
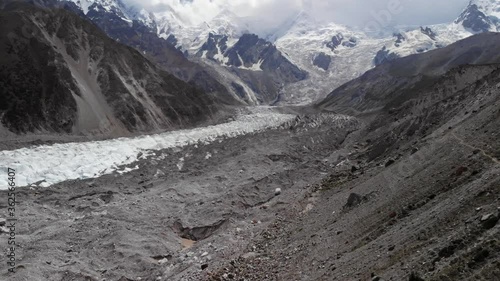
464,143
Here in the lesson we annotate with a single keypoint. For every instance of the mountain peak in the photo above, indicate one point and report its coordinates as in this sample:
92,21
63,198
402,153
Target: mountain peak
227,23
474,19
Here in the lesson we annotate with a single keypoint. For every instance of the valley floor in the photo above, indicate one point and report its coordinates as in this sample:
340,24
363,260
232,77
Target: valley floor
308,201
172,209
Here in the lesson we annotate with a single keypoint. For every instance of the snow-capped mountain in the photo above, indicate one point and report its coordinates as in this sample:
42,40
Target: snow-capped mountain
118,8
251,69
330,53
192,37
334,54
475,19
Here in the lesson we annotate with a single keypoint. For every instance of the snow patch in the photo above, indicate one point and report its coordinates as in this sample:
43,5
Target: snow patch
180,164
254,67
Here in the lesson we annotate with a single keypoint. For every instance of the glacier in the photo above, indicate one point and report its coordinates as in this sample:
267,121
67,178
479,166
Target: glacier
50,164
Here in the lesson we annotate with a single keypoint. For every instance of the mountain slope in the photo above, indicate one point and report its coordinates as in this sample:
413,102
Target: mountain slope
60,73
334,54
413,195
331,54
138,28
167,39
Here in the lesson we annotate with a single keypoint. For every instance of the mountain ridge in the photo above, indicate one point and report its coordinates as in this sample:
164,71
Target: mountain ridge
65,76
330,53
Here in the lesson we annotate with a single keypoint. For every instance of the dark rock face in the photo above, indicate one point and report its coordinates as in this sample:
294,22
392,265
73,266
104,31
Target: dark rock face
384,56
322,60
215,45
274,69
248,51
78,80
35,93
172,40
338,40
162,51
351,43
144,38
259,64
335,42
472,18
399,39
421,50
429,32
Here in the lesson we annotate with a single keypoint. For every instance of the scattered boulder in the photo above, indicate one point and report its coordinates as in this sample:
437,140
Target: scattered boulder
489,221
449,250
376,278
204,266
161,259
390,162
354,200
460,171
277,191
199,232
415,277
2,221
480,256
107,197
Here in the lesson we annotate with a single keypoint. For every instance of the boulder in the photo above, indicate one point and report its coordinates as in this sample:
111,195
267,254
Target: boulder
489,221
354,200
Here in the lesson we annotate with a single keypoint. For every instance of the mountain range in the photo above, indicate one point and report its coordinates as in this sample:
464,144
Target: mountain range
221,60
298,62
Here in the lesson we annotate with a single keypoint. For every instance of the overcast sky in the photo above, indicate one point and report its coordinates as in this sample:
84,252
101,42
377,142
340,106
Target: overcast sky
359,13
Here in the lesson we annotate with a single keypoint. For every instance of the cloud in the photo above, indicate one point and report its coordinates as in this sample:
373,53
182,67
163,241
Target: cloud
359,13
389,12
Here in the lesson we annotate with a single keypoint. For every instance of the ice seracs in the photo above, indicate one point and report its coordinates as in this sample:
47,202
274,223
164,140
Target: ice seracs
60,162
